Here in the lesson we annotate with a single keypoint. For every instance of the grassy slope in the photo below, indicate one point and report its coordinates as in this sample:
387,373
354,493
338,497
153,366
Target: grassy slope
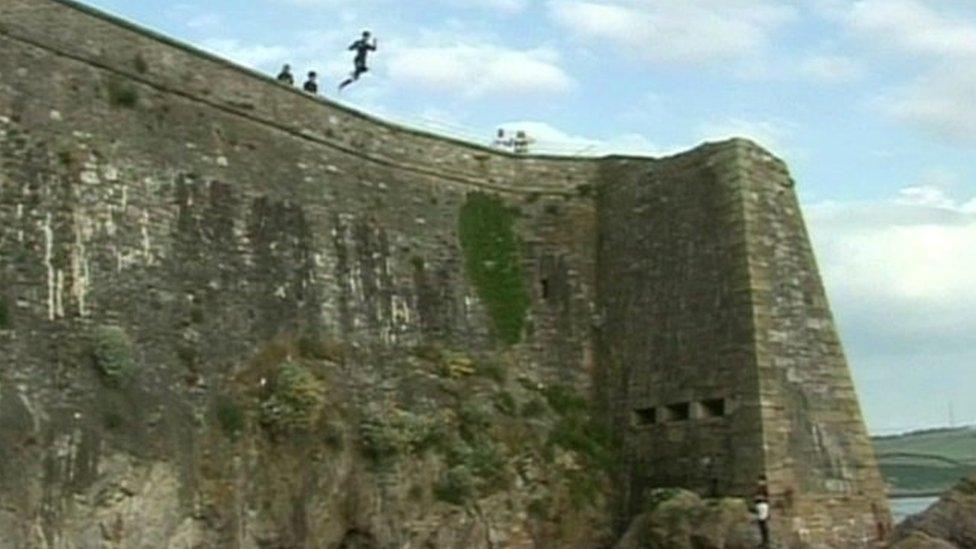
920,474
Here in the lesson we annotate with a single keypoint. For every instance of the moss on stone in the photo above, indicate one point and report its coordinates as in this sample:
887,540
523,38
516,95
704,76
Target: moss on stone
121,93
534,408
564,400
113,354
492,261
230,416
492,370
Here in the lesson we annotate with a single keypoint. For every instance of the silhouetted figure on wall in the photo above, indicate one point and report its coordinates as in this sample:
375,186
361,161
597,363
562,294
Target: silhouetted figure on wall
501,141
522,142
362,47
285,76
310,85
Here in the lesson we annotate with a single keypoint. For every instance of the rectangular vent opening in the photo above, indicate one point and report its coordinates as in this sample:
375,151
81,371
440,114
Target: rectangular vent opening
678,412
645,416
714,407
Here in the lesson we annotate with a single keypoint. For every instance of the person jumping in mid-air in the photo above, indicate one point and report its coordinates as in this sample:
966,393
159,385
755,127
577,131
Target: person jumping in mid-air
362,47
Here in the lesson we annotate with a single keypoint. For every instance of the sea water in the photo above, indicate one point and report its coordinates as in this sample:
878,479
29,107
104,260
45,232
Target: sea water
903,507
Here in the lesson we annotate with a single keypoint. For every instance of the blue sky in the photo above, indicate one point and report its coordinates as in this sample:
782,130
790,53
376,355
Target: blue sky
872,102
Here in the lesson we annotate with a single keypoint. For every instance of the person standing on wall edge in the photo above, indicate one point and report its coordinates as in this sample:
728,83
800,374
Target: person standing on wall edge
310,86
285,76
362,47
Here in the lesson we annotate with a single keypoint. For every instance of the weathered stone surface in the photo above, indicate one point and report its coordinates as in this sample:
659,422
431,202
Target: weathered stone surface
175,230
679,519
919,540
950,522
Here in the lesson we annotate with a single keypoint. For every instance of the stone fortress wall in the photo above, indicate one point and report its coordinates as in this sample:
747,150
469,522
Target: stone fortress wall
207,209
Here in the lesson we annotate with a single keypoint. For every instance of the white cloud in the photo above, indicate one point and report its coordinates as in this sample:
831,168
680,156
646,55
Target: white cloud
830,69
204,21
942,102
942,44
912,253
775,135
504,6
250,55
479,70
548,139
914,27
667,31
500,6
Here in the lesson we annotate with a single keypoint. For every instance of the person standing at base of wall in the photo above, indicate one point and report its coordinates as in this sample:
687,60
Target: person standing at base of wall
762,519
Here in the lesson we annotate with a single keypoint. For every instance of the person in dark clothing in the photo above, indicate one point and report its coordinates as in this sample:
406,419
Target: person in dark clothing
362,47
310,85
285,76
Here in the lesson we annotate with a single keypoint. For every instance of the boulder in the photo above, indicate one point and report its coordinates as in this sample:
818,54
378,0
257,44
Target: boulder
679,519
950,521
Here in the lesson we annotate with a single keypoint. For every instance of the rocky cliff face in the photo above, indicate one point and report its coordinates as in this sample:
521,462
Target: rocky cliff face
458,454
950,522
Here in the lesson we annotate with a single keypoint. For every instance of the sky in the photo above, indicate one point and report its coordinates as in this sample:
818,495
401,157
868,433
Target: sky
871,102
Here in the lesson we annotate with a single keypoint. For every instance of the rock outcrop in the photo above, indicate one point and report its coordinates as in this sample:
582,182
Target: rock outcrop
679,519
460,454
951,522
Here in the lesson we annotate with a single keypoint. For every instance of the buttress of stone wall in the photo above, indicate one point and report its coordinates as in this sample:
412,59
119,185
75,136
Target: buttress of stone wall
675,343
818,454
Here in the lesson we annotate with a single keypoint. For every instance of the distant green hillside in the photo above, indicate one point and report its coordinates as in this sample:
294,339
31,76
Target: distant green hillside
926,461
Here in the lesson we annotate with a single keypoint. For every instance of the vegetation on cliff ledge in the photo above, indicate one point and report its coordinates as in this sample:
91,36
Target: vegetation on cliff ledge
295,402
455,430
113,353
492,261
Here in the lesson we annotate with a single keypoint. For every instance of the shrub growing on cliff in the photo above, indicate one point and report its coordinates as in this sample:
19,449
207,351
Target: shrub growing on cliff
385,437
295,402
4,314
380,441
113,354
456,485
318,348
493,262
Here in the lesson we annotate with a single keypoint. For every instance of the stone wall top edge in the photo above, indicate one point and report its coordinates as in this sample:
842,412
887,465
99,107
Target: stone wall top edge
325,102
369,118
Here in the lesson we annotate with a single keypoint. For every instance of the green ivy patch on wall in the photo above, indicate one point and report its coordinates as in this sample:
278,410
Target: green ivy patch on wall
492,262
